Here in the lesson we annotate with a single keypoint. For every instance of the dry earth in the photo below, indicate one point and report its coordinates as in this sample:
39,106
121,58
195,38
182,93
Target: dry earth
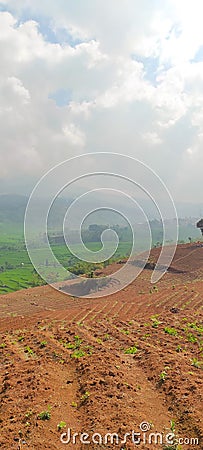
105,365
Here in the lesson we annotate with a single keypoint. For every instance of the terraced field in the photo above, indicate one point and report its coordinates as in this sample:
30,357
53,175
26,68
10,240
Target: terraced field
106,365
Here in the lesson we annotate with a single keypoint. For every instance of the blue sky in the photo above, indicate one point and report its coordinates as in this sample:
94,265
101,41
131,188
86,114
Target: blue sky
45,26
62,97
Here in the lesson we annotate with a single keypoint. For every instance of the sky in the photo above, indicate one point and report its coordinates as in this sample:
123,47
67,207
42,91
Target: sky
87,76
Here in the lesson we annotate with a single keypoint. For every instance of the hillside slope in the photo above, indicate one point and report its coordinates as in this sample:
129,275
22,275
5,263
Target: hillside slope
105,365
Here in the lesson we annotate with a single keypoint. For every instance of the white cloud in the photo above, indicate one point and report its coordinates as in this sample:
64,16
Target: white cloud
116,103
152,138
74,135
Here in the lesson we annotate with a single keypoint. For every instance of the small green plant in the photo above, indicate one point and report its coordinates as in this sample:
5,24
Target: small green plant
155,321
155,324
78,354
27,424
106,337
85,397
69,345
43,344
162,376
172,447
145,336
75,345
171,331
175,445
74,404
196,363
179,349
29,414
131,350
61,425
89,349
78,341
45,415
28,350
198,328
173,426
191,338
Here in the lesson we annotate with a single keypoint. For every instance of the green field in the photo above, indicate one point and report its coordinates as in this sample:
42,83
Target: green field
17,271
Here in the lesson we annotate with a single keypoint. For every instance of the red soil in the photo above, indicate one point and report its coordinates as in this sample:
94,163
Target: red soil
105,389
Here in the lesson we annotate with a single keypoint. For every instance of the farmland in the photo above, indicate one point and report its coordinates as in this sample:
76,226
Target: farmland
17,272
106,365
16,269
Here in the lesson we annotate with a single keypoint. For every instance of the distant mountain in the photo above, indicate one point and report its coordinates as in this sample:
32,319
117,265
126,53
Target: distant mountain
12,211
12,208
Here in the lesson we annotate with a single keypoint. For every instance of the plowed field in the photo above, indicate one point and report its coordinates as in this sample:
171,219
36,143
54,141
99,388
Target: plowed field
106,365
